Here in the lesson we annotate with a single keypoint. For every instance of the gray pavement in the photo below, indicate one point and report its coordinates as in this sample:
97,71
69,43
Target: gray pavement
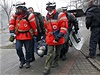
85,50
4,38
75,64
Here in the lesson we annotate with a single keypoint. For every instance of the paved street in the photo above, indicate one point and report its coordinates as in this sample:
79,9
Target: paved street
76,63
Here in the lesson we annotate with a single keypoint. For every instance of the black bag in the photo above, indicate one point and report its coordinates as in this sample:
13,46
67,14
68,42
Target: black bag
75,37
40,23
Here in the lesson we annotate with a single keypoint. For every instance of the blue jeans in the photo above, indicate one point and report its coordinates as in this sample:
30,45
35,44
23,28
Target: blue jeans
19,50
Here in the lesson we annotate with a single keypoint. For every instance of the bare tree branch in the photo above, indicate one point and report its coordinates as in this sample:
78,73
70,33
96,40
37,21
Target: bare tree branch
6,5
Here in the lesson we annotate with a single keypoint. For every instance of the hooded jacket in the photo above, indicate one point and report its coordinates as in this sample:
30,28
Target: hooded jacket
93,17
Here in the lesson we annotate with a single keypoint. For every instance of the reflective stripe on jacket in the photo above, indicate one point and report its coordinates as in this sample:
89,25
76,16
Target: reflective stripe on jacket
57,22
23,26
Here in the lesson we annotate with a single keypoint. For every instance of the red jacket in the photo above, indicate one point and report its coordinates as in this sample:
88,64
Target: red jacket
58,21
23,26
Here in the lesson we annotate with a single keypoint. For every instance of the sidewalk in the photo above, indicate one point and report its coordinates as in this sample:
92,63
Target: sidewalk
85,50
76,63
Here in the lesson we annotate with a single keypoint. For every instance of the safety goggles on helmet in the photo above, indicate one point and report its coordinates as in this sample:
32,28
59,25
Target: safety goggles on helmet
50,6
64,8
18,12
49,9
20,9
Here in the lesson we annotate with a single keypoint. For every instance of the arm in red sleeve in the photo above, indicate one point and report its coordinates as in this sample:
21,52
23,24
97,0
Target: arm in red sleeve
12,24
33,23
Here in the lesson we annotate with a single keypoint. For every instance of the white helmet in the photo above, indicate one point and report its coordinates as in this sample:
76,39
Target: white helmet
51,5
64,8
41,50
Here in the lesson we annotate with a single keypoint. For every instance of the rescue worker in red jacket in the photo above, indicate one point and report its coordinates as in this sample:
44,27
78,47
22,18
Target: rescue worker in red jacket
56,26
72,23
20,24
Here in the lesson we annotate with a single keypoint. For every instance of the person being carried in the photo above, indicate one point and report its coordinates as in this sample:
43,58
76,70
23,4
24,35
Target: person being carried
41,31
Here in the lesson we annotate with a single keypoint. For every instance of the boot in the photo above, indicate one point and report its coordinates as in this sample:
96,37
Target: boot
54,65
46,71
21,65
98,54
90,56
63,57
32,59
27,65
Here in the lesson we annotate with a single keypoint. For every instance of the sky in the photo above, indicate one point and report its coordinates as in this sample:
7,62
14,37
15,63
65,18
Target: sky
40,5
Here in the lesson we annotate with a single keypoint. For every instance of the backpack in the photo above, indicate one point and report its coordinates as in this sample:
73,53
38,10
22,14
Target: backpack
40,23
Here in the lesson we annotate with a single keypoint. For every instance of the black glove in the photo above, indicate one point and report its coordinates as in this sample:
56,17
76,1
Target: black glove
11,31
60,35
87,27
76,31
12,37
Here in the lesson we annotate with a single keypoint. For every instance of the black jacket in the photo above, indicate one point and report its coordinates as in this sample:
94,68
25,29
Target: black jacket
93,16
40,23
72,21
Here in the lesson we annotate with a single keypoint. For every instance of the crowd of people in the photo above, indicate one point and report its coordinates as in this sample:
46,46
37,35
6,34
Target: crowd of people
26,26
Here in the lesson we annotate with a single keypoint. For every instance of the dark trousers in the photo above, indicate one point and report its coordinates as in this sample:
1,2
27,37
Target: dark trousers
65,46
94,39
27,45
32,50
99,44
64,49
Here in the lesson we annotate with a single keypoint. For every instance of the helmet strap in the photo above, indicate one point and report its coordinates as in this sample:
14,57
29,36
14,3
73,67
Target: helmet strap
50,13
